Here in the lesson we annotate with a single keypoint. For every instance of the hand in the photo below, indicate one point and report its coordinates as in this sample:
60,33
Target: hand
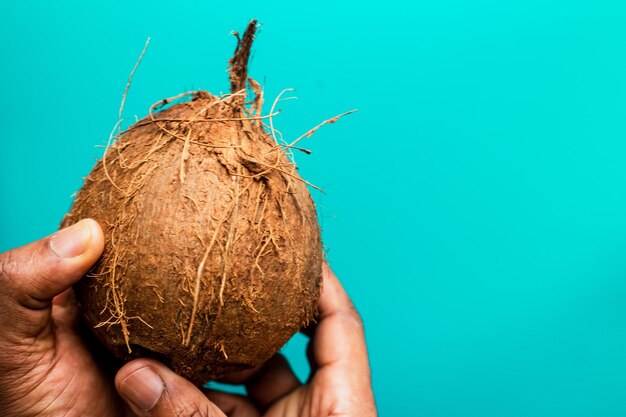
46,368
340,383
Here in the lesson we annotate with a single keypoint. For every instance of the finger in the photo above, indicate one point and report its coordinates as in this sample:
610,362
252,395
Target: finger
65,309
240,377
151,389
233,405
66,298
32,275
65,305
275,380
339,339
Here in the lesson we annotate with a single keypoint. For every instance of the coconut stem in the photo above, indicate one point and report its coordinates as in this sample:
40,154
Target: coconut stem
239,61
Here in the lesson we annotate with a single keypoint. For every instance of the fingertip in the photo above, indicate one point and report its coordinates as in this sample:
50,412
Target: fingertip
135,365
93,245
327,272
140,384
97,237
330,282
151,388
333,296
82,240
32,275
127,369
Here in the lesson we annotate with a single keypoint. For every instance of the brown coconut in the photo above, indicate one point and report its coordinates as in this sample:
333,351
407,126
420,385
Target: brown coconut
213,256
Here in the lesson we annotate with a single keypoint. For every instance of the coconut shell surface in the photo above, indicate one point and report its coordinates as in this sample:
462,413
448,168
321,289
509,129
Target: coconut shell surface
213,254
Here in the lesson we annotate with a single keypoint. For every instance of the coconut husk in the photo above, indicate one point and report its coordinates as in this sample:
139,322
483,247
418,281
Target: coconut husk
213,255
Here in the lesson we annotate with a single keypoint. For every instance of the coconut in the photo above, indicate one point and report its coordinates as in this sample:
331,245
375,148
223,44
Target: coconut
213,256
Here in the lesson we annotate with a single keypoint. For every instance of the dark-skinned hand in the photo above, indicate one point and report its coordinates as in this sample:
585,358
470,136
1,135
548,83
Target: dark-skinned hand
47,367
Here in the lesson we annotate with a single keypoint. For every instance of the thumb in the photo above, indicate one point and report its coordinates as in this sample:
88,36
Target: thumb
151,389
32,275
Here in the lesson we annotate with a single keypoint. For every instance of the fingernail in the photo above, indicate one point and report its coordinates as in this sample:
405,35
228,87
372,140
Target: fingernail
143,388
71,241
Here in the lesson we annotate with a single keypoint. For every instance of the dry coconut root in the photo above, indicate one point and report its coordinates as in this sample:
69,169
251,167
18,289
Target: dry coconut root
213,256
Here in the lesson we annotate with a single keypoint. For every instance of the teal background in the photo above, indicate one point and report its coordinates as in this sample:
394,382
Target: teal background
476,203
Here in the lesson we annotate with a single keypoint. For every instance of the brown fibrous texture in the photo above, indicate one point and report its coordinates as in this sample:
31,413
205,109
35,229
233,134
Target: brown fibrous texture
213,254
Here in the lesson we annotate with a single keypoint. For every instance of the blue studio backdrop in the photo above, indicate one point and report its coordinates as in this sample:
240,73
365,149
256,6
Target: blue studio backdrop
475,205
